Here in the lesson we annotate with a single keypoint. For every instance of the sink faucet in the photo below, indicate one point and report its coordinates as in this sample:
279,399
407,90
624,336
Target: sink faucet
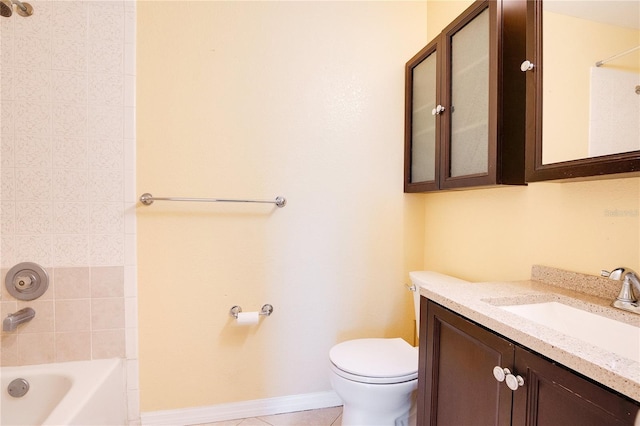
12,321
627,299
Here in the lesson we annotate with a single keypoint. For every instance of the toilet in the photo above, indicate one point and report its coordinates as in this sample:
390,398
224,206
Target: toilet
376,379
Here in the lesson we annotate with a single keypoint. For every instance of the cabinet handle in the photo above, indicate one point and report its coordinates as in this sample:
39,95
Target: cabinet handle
526,66
500,373
514,382
504,374
437,110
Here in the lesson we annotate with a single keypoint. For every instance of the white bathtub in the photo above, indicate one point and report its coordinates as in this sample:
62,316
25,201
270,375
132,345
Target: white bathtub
69,393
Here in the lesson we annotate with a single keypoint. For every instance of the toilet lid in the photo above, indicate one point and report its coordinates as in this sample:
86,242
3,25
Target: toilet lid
383,358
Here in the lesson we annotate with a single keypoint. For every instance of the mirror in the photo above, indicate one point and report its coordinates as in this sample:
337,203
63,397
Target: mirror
588,67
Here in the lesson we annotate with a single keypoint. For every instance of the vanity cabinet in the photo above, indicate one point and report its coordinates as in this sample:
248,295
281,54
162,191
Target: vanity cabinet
456,383
465,102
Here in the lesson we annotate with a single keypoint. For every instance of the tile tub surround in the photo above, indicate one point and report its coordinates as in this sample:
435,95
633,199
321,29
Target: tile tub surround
480,303
81,316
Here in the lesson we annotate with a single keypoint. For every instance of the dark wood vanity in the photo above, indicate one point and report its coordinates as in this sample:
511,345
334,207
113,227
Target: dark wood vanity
456,385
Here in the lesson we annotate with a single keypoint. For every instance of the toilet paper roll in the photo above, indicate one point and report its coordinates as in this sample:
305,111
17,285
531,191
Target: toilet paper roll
247,318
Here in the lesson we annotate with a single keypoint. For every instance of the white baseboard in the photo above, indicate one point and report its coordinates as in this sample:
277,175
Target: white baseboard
241,410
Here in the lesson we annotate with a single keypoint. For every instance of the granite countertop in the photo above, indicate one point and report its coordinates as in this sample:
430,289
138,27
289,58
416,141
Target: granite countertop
480,302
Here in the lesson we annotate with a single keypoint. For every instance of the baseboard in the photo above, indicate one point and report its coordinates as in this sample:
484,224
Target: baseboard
241,410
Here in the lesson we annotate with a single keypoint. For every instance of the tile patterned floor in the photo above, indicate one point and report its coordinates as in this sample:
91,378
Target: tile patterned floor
322,417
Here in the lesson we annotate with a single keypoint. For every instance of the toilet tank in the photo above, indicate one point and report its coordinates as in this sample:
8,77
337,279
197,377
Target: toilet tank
423,279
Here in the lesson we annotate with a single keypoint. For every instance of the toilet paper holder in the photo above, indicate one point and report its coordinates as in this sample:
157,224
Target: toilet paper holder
266,310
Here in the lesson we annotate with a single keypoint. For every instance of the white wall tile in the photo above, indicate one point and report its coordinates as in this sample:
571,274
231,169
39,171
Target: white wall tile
34,53
69,54
130,90
33,184
105,57
106,22
70,120
106,153
32,85
106,249
71,217
32,151
107,218
7,117
7,250
7,217
130,123
32,118
107,184
33,217
6,151
6,44
70,153
70,185
7,183
106,122
33,248
71,250
69,87
106,89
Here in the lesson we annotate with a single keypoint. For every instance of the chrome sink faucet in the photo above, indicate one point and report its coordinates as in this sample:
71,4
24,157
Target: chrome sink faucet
12,321
627,299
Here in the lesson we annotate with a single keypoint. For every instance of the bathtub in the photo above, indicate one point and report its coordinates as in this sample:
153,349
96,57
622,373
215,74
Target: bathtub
69,393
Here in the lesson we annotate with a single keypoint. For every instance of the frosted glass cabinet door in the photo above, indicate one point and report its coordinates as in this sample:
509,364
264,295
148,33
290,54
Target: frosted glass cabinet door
469,142
465,102
421,132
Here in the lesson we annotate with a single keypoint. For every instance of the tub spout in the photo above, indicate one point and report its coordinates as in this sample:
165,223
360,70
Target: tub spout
12,321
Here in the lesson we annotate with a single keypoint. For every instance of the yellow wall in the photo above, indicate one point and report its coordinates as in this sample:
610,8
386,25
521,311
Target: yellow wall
496,234
305,100
499,233
258,99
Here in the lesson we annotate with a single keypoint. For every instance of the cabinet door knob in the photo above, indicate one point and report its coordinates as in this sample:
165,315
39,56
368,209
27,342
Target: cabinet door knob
514,382
437,110
500,373
526,66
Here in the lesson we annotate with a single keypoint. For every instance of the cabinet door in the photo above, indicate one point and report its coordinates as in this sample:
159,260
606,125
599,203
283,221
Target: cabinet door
456,384
555,396
422,148
470,83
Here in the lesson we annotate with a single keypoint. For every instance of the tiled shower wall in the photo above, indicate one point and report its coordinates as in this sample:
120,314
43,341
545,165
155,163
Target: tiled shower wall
67,181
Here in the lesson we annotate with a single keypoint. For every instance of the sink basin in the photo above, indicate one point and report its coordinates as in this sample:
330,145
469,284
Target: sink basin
614,336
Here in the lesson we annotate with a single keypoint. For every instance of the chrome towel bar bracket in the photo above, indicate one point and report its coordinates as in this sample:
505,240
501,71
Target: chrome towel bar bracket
148,199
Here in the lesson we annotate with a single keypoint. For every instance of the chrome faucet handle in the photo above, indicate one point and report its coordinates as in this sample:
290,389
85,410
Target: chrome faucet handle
616,274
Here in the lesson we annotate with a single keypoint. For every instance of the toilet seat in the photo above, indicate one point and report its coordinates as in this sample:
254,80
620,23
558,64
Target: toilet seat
376,361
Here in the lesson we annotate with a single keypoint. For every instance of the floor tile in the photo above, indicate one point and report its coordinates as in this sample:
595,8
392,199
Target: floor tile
321,417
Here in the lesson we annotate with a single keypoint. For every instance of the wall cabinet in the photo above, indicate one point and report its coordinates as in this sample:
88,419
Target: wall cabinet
456,383
465,102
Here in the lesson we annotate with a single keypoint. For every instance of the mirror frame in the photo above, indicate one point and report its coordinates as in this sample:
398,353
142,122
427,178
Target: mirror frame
627,163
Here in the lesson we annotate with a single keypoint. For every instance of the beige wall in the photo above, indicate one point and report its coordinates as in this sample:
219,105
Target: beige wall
490,234
258,99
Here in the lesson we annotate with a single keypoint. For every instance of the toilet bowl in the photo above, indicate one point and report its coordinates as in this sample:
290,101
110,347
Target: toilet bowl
376,380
